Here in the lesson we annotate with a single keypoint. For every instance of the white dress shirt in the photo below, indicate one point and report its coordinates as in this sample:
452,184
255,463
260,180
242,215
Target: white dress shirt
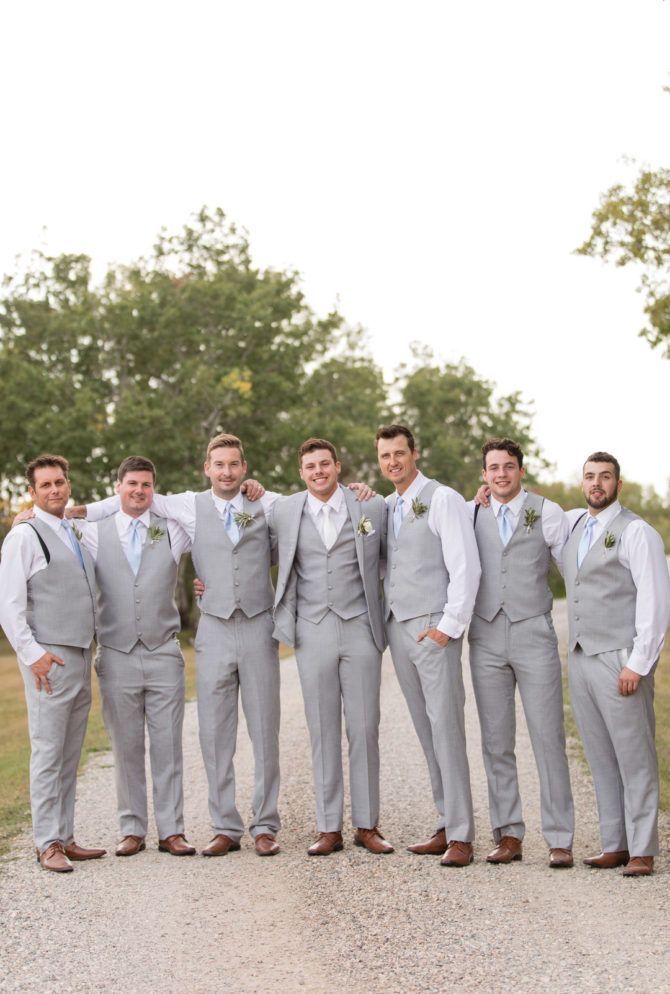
449,520
555,527
179,540
22,558
641,551
338,512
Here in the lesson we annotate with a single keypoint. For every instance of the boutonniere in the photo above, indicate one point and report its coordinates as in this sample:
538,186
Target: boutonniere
78,534
418,508
243,519
609,541
155,534
364,526
529,519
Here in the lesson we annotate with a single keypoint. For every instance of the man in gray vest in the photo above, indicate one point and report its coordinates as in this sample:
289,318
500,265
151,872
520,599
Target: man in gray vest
328,606
432,574
513,643
618,592
47,609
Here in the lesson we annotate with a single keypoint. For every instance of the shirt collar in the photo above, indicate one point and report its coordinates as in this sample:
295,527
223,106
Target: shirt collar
514,505
127,520
414,489
335,501
52,520
608,514
221,503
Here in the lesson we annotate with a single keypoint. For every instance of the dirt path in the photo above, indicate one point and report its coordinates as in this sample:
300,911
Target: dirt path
349,924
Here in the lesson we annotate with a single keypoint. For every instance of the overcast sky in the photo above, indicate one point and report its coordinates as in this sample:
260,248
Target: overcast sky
429,166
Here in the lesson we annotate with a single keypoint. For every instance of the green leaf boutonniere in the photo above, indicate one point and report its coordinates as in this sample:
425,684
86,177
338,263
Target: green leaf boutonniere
243,519
418,508
609,541
77,533
155,534
529,519
364,526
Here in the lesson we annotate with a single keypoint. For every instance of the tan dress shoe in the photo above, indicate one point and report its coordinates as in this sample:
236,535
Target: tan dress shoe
266,845
457,854
130,845
561,859
327,843
639,866
608,860
75,852
220,845
54,858
434,846
507,850
176,845
372,840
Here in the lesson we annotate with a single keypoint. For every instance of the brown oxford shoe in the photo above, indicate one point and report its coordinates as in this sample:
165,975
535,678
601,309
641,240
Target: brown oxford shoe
130,845
266,845
639,866
561,859
54,858
75,852
220,845
457,854
507,850
327,843
608,860
176,845
372,840
434,846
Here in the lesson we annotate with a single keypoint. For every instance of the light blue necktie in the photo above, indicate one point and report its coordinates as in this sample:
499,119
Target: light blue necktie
72,539
504,526
397,516
229,524
134,547
586,540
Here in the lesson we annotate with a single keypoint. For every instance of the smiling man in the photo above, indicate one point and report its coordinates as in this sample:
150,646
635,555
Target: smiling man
513,643
47,609
327,605
618,592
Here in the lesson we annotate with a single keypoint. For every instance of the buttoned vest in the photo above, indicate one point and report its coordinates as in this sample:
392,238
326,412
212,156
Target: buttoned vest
601,595
514,577
416,578
61,598
131,608
327,579
235,576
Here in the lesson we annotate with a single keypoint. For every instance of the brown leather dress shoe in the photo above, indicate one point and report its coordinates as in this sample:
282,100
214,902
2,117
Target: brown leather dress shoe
176,845
561,859
220,845
372,840
327,843
608,860
507,850
54,858
130,845
639,866
457,854
75,852
266,845
434,846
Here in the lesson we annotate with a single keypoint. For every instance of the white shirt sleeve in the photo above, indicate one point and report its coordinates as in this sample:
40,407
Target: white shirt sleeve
450,520
103,508
22,557
556,530
641,551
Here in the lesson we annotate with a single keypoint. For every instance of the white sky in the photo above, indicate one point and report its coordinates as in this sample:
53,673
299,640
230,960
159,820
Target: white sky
429,166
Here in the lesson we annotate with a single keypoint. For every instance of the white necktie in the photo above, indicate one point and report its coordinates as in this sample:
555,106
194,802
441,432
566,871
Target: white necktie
232,531
586,540
329,531
397,515
72,539
134,547
504,526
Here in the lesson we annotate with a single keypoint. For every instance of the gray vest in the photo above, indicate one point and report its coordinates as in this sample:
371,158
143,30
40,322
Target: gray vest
61,598
514,577
327,579
131,608
235,576
601,595
416,578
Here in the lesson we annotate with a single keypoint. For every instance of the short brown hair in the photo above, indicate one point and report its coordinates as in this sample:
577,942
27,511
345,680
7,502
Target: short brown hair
44,460
392,431
504,445
225,441
313,445
135,464
605,457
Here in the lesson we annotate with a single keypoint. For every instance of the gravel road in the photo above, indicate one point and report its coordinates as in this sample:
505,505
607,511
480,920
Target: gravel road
348,924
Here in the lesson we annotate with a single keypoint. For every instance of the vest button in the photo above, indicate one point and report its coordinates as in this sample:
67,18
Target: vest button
330,603
504,569
237,583
137,601
236,566
330,571
234,552
394,566
330,588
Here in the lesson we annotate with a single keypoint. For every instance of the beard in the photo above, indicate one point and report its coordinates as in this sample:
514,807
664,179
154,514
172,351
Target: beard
600,503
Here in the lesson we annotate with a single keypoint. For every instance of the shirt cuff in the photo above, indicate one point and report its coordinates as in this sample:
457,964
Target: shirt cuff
449,626
639,664
31,654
